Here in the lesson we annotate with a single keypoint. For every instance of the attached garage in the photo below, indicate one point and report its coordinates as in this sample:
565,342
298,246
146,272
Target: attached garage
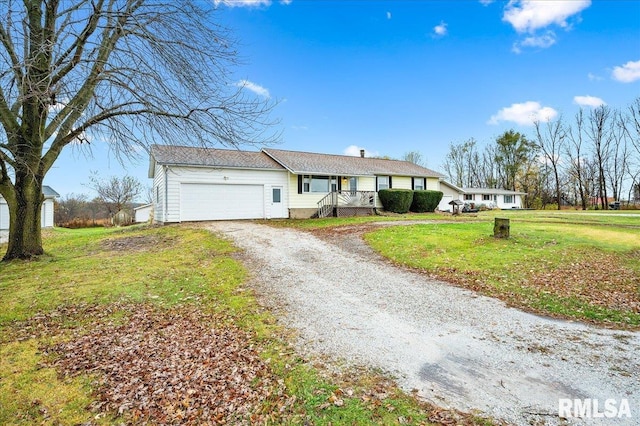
201,201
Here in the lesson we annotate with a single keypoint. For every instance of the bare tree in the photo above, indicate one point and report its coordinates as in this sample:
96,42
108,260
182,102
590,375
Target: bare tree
618,160
599,133
415,157
577,158
550,140
116,193
126,72
70,207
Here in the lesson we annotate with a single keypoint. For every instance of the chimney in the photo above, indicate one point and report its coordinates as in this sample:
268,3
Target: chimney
362,153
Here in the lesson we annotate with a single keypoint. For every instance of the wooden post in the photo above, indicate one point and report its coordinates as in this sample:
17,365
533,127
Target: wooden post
501,228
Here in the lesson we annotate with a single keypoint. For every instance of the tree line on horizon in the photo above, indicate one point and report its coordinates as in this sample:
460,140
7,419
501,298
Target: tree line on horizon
588,160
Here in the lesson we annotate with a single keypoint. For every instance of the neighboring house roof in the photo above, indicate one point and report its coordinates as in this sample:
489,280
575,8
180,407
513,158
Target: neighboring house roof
492,191
213,157
48,192
328,164
143,206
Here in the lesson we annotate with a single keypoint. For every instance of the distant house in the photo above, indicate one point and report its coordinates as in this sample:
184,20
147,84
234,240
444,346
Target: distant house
142,213
47,209
493,198
199,184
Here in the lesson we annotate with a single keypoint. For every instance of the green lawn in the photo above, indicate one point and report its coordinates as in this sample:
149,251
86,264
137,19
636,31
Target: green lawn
575,265
96,279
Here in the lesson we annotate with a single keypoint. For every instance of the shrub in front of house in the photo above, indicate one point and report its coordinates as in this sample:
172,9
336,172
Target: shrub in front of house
425,201
396,200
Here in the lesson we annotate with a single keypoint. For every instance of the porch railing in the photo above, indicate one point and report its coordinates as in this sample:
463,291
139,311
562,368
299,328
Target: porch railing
364,199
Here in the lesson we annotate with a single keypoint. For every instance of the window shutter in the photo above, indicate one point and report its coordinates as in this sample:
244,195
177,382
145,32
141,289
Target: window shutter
413,184
377,189
299,184
424,183
390,186
339,178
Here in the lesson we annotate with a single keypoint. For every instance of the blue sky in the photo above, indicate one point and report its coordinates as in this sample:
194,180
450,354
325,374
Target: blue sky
397,76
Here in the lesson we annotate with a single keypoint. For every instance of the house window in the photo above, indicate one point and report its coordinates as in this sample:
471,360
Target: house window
418,184
312,183
383,182
468,197
508,199
276,195
486,197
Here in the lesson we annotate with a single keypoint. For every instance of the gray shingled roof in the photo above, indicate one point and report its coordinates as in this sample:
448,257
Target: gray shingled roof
191,156
48,192
295,161
343,165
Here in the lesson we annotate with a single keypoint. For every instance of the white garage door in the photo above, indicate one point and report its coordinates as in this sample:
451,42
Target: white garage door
219,202
444,203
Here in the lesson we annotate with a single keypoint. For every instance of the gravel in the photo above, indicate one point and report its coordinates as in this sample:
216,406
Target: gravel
456,348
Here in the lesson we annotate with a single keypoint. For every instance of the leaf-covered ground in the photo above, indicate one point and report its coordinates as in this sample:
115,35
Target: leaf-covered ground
153,365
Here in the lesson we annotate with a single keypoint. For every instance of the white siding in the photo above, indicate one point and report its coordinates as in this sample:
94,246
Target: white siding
159,190
177,176
4,214
46,214
142,213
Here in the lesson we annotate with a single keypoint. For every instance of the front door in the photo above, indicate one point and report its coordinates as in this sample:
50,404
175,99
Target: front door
277,208
353,184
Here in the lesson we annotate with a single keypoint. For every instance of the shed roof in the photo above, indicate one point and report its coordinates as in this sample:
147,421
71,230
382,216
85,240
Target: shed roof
343,165
48,192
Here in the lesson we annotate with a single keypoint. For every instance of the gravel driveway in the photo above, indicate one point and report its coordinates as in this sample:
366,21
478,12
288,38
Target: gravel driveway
456,348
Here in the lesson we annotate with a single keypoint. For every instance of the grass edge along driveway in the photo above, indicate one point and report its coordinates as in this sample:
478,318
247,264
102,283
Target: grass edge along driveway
558,265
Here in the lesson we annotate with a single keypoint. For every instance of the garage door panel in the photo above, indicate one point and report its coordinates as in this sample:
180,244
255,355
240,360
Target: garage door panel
220,202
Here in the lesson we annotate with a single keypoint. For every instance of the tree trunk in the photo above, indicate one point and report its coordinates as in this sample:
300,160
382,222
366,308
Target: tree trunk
25,236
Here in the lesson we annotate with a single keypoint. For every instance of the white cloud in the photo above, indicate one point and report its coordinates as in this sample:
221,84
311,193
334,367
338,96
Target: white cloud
593,77
255,88
627,73
587,100
354,151
285,2
486,2
531,15
244,3
542,42
524,114
388,15
440,30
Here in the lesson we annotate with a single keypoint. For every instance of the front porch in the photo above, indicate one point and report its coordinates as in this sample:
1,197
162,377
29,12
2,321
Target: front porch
347,203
